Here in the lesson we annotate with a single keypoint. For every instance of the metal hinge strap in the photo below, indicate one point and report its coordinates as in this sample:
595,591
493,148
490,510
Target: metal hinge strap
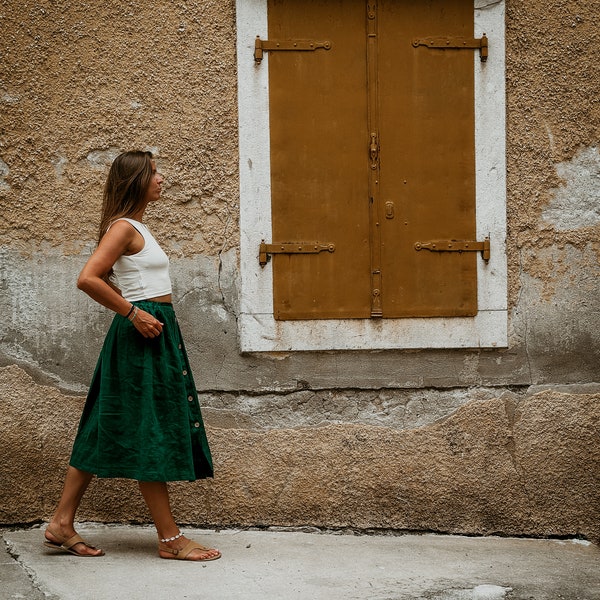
457,246
455,43
261,46
292,248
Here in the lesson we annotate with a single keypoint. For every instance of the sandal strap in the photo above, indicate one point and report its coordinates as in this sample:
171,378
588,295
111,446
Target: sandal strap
76,539
164,548
191,545
185,551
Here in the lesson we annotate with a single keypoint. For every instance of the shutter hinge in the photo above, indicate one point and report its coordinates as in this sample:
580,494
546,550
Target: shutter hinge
261,46
457,246
455,43
292,248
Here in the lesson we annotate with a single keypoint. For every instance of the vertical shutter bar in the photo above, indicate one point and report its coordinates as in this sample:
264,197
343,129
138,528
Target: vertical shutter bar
373,154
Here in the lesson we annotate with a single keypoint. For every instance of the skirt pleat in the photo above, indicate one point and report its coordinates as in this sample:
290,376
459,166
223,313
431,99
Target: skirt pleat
142,418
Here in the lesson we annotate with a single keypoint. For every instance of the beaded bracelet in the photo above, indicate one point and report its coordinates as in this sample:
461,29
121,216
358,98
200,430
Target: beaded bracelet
135,312
130,311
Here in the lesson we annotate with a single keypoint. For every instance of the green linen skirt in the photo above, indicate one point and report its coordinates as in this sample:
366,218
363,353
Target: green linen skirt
141,418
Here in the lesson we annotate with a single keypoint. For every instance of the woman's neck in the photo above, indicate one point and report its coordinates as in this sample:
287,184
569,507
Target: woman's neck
139,214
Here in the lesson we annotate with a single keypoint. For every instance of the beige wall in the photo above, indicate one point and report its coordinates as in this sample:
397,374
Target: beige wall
83,81
471,441
553,134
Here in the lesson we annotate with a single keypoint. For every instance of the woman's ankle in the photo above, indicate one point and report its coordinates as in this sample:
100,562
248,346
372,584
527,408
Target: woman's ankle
61,526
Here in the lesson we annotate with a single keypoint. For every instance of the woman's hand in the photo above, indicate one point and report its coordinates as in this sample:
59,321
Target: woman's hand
146,324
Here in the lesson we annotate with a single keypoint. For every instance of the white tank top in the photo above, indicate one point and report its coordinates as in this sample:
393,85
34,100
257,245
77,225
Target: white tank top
145,274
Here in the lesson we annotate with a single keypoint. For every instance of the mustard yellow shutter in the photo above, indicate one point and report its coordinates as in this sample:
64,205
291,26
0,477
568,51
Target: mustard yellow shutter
372,150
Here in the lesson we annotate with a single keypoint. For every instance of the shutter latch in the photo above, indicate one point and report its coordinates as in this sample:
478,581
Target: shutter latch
455,43
292,248
261,46
457,246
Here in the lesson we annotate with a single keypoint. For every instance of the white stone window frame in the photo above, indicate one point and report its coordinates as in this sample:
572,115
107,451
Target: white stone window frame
257,328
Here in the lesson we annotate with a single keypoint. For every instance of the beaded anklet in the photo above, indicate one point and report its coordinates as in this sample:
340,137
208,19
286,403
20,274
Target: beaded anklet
172,539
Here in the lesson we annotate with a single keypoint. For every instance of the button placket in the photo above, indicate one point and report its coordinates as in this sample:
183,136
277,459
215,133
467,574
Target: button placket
192,407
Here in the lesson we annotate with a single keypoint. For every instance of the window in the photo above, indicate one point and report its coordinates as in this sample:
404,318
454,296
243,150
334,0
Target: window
370,152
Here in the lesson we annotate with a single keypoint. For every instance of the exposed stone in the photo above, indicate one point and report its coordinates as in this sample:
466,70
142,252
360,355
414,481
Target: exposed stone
396,409
576,203
4,171
497,466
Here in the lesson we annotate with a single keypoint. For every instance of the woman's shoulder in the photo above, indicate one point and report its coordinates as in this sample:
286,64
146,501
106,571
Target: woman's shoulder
125,221
122,228
126,225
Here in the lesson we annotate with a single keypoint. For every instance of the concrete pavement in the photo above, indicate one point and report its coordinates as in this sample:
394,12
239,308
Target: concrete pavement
313,565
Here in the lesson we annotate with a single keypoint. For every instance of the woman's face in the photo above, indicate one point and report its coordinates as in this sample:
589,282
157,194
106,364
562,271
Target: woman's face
154,188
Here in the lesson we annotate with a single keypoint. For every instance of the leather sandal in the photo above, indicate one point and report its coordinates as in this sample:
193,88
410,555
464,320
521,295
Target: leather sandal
183,553
67,545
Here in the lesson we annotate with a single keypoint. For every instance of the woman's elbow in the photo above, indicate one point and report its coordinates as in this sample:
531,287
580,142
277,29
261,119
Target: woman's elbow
84,283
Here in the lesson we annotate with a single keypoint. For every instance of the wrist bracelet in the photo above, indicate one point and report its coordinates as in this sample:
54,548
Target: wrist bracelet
130,311
135,312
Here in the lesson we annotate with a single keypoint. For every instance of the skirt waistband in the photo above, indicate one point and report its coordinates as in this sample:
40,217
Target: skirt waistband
136,302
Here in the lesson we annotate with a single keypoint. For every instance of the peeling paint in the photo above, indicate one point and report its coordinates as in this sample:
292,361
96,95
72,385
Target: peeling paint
576,203
4,171
10,99
102,159
483,4
58,162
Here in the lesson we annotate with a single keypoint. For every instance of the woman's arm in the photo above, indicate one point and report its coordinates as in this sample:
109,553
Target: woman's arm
92,279
119,239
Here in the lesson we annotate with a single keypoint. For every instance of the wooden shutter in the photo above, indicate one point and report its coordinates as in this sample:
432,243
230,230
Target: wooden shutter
318,186
427,127
372,150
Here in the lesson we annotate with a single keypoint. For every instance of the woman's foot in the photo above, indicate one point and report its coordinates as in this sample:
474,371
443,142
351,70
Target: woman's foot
66,539
185,549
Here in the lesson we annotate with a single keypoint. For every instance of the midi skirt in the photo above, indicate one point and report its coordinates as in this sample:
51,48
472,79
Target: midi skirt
141,418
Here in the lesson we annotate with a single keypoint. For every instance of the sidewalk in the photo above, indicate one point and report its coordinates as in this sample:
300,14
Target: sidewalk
285,565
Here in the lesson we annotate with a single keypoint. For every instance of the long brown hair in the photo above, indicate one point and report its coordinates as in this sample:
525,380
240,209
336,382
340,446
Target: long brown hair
125,188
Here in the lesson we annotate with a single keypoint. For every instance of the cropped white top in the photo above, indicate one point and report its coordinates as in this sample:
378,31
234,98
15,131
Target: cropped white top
145,274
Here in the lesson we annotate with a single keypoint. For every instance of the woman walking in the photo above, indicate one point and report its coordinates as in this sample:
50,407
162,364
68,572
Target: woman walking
141,418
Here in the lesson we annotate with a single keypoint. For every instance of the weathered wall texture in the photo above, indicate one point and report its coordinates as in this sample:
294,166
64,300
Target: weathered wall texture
498,441
81,82
495,466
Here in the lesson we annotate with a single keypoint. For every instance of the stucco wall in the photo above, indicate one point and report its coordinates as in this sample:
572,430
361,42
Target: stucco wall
470,441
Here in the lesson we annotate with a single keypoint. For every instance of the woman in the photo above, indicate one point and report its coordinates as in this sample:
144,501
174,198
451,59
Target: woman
141,419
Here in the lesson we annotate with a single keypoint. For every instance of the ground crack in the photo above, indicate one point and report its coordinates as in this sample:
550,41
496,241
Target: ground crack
37,587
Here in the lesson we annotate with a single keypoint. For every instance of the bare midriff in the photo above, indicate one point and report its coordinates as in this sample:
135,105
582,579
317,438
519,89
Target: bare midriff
165,298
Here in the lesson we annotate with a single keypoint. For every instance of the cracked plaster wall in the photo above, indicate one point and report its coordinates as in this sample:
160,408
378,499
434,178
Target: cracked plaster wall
500,465
298,437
